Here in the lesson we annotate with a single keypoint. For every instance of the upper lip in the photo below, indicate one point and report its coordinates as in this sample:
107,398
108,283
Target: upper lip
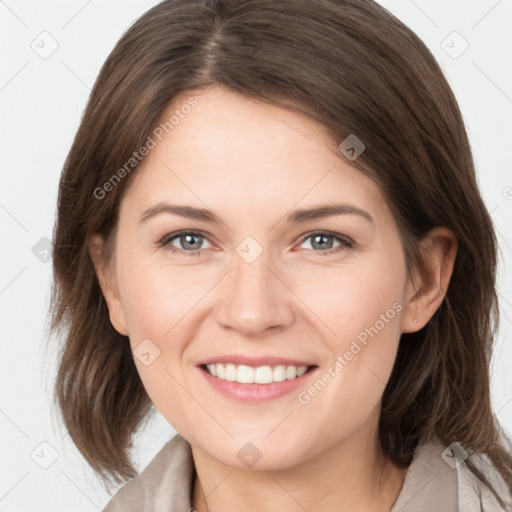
255,361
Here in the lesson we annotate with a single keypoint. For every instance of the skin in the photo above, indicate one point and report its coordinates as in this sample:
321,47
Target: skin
251,164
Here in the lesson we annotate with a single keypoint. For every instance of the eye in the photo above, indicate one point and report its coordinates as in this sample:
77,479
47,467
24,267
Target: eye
190,242
323,241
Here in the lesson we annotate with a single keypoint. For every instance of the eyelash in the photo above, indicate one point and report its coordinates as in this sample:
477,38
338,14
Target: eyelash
346,243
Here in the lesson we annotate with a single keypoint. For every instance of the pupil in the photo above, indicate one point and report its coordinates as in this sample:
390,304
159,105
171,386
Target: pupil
189,237
320,237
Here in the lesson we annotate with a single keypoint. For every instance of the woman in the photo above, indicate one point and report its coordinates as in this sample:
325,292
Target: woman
325,340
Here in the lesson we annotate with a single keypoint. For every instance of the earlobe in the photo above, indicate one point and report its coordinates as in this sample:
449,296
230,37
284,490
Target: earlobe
428,292
107,284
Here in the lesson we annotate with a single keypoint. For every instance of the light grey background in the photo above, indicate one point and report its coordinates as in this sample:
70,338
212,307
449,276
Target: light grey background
42,97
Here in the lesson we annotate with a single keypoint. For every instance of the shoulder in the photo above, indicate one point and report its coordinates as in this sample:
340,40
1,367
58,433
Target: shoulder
473,493
165,484
439,478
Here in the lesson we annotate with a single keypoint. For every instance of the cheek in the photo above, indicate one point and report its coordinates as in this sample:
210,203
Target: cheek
364,311
157,302
358,297
156,297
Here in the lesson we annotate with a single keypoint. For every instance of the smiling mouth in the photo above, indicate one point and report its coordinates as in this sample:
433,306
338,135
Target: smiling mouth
255,375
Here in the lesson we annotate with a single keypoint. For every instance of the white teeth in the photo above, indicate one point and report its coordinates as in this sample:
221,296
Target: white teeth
263,374
291,372
260,375
279,373
301,370
245,374
230,373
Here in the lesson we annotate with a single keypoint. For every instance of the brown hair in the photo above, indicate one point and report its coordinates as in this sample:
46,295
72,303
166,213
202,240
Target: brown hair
355,68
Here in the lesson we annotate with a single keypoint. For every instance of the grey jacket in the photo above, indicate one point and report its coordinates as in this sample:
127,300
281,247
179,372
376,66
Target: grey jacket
437,480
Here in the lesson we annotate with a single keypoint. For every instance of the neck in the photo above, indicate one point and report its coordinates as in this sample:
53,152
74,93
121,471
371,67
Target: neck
353,475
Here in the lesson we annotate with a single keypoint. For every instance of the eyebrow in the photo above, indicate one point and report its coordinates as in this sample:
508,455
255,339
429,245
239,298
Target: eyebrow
295,217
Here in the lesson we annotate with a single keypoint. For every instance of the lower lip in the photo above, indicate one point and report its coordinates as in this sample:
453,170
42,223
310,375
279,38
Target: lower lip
255,392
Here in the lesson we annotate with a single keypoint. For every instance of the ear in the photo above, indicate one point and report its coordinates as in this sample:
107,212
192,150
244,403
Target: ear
108,285
427,292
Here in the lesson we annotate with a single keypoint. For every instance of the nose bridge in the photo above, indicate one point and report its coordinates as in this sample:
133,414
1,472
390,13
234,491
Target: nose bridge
253,298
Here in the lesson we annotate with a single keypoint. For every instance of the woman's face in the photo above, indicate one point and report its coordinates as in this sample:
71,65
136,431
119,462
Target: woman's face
272,289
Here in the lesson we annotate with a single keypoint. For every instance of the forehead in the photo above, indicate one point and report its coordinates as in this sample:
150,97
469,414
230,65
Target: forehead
235,153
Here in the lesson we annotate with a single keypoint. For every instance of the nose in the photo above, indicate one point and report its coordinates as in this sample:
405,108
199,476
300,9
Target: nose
254,298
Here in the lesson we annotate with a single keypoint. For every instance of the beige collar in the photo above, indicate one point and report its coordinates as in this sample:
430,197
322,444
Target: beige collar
430,485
